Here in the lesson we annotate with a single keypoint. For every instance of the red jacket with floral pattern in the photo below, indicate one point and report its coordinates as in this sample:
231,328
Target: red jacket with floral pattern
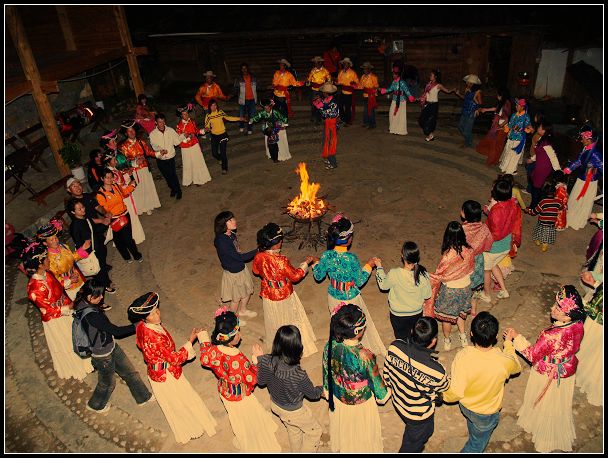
45,294
236,375
159,352
278,275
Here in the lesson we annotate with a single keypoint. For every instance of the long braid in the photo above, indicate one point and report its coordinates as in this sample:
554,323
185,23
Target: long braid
330,379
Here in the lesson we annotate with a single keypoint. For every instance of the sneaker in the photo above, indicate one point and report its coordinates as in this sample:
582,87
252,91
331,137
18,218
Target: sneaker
110,290
544,247
249,132
106,307
248,313
129,261
537,242
463,340
502,294
242,129
152,399
104,410
447,344
242,322
224,172
484,297
149,212
141,259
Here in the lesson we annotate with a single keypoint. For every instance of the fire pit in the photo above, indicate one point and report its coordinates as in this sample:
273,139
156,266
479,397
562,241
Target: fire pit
306,209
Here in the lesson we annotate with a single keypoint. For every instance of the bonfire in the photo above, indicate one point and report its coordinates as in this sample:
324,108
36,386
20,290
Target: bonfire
306,206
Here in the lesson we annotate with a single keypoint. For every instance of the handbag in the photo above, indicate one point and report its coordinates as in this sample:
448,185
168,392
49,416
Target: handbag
89,266
119,222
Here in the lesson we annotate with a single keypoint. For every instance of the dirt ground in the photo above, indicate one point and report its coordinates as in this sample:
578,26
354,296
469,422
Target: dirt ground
396,188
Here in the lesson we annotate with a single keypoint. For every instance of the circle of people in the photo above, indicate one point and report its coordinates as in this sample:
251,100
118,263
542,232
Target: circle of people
69,286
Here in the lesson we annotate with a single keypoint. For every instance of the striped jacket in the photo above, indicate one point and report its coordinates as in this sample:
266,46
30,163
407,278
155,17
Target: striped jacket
547,211
415,378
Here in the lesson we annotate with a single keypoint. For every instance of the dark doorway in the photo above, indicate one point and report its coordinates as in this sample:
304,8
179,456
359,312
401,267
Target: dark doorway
499,59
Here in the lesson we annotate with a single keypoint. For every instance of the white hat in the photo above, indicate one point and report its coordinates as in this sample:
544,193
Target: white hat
209,73
70,181
284,61
367,64
328,88
347,60
472,78
317,59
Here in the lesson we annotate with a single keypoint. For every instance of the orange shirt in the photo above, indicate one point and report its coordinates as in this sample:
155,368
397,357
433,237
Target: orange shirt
346,78
248,89
368,82
112,201
317,77
283,79
207,92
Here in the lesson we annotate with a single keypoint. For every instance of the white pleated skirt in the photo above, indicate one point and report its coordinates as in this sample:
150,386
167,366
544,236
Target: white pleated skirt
194,167
510,159
185,411
67,364
283,146
288,311
145,195
355,428
371,339
236,286
252,425
71,293
551,422
590,369
397,123
579,210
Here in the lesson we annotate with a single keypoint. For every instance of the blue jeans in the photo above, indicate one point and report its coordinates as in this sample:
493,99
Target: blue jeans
368,120
118,362
480,429
247,110
465,126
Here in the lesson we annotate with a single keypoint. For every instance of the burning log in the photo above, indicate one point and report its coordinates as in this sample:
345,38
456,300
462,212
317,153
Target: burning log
306,206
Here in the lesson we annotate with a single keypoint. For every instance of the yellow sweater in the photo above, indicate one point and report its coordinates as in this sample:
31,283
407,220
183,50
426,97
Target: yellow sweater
215,121
478,377
347,78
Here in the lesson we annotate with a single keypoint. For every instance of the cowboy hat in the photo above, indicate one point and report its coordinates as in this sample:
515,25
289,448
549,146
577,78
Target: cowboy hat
284,61
366,64
328,88
209,73
317,59
472,78
346,60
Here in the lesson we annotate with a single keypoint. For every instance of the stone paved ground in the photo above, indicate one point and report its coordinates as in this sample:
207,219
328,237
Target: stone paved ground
398,187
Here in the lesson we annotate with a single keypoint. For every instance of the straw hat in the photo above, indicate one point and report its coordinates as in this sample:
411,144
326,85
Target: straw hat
367,64
209,73
317,59
346,60
284,61
472,78
328,88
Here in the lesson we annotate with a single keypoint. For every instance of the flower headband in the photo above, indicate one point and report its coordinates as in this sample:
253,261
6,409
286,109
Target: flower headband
361,322
148,305
110,135
587,135
521,102
344,235
31,247
128,123
224,337
187,107
566,303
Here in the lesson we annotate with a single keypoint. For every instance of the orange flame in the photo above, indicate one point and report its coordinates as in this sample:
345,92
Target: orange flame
306,205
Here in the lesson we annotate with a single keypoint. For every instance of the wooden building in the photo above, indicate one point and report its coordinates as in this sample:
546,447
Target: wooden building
497,55
47,44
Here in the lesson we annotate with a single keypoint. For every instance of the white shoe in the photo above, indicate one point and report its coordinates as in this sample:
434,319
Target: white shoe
447,344
242,322
248,313
249,132
152,399
149,212
242,129
463,340
484,297
502,294
104,410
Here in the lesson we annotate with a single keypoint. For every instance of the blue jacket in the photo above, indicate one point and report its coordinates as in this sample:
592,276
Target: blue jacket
587,159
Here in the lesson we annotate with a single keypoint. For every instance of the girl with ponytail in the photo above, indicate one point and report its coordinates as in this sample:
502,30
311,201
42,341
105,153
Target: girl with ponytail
352,384
346,276
409,286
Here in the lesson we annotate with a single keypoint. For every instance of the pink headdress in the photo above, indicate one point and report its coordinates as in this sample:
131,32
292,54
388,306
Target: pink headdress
337,308
587,135
220,311
567,302
110,135
521,102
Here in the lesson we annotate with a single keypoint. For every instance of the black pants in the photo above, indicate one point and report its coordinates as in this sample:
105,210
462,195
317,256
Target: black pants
428,118
218,149
416,434
403,325
280,104
273,149
167,168
123,239
346,107
101,252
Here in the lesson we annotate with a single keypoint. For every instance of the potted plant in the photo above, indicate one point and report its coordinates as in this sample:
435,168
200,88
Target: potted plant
70,154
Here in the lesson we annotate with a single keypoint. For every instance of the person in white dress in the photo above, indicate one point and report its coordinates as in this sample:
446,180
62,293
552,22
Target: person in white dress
193,163
184,409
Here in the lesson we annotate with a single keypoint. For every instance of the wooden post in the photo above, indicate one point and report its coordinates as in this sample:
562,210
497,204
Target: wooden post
30,69
66,28
125,37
